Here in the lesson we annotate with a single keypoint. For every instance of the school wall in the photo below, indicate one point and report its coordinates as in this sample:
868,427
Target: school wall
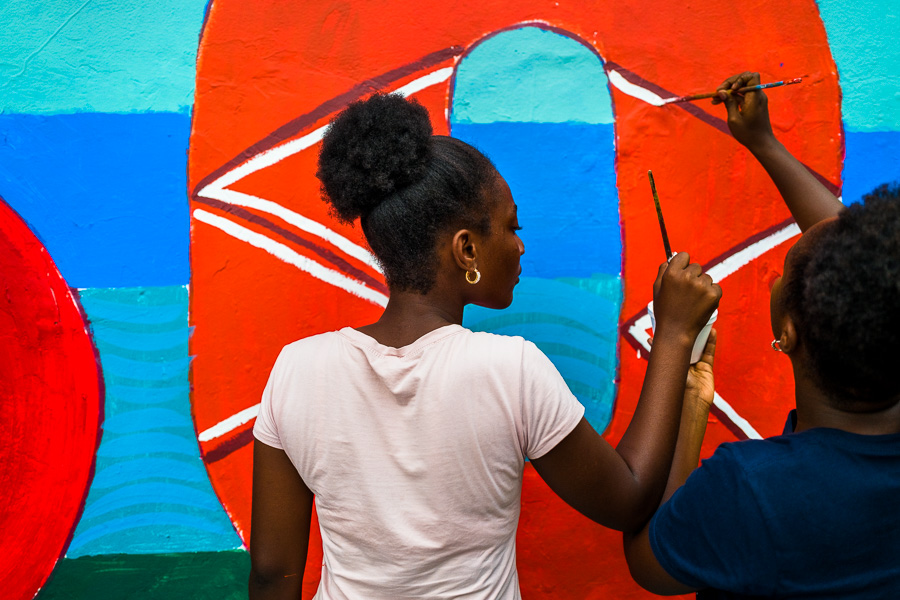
161,238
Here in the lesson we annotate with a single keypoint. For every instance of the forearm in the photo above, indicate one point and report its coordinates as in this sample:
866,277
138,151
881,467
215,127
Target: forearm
808,200
648,444
694,417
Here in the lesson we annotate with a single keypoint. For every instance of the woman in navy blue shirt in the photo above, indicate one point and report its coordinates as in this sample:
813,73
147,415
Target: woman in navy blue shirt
812,513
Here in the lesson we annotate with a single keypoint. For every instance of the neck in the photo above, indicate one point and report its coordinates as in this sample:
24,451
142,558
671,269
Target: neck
410,315
816,409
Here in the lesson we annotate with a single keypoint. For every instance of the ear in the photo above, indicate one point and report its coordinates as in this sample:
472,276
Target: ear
464,251
788,339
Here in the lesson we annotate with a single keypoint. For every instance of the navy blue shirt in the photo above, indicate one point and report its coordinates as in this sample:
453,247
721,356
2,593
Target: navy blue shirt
814,514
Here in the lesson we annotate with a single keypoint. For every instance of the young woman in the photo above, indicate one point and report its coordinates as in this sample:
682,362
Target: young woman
411,433
812,513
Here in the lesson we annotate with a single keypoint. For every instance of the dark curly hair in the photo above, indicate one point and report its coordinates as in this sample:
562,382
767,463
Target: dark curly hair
380,162
844,297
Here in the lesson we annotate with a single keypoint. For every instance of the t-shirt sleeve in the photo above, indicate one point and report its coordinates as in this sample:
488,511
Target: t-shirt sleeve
712,534
549,409
266,427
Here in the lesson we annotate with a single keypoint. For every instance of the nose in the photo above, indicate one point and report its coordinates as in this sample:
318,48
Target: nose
521,247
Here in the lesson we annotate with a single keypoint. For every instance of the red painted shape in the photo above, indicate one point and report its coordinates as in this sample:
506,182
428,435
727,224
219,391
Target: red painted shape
264,65
50,407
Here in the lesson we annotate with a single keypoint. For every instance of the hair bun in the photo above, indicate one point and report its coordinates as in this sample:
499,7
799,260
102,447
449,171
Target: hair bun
372,149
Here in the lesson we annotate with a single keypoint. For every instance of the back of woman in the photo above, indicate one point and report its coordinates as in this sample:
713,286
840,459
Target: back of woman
415,454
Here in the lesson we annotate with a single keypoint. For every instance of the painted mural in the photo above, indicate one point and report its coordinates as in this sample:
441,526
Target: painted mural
161,237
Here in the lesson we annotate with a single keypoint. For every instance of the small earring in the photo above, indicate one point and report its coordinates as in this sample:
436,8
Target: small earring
477,276
776,346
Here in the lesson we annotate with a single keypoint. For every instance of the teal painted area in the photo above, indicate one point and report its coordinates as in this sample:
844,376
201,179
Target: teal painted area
574,321
98,55
531,75
863,40
151,492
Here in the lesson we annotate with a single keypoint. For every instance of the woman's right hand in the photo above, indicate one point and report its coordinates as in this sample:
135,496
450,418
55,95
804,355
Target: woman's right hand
684,297
748,114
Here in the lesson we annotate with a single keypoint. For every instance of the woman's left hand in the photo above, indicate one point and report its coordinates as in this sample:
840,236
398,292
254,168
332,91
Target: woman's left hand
700,387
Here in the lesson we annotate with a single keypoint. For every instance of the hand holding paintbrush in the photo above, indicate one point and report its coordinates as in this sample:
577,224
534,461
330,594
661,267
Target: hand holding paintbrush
748,116
714,290
739,91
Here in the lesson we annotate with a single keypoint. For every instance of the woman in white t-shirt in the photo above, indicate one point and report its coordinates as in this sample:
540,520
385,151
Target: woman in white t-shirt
411,433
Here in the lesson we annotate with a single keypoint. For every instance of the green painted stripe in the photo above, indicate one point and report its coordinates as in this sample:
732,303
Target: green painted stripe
196,575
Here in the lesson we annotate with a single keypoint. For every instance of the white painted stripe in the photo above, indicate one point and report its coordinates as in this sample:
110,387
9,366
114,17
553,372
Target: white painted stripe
232,422
266,159
426,81
752,252
639,331
291,257
217,190
299,221
635,91
274,155
735,418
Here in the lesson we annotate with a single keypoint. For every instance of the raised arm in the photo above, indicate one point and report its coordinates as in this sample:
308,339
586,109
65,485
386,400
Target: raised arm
620,488
279,532
748,119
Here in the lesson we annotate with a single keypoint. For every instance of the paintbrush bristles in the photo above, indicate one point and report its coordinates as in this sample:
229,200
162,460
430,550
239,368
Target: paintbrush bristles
662,224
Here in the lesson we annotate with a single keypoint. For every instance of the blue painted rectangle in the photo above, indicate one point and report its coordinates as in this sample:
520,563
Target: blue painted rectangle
563,178
872,158
106,194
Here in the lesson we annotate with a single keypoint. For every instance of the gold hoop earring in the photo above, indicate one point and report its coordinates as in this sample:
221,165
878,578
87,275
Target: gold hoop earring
776,346
477,276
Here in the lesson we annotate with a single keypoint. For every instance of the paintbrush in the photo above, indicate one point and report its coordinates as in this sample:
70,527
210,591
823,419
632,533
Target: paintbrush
662,224
743,90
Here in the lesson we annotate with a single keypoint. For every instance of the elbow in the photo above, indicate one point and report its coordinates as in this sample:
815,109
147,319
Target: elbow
270,577
641,510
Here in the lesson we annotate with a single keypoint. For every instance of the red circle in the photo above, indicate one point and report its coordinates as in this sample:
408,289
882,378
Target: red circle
51,410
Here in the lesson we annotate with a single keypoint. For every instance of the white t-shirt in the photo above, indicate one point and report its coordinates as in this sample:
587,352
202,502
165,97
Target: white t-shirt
415,455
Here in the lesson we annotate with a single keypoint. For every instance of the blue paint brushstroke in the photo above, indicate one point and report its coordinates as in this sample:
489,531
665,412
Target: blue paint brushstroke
575,323
150,492
563,179
149,533
872,158
106,194
141,469
145,419
150,495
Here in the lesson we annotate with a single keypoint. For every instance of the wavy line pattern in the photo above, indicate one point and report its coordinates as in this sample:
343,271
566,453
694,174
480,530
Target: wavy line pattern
574,321
150,492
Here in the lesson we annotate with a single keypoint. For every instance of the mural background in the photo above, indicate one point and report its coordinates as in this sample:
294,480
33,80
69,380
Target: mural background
101,102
